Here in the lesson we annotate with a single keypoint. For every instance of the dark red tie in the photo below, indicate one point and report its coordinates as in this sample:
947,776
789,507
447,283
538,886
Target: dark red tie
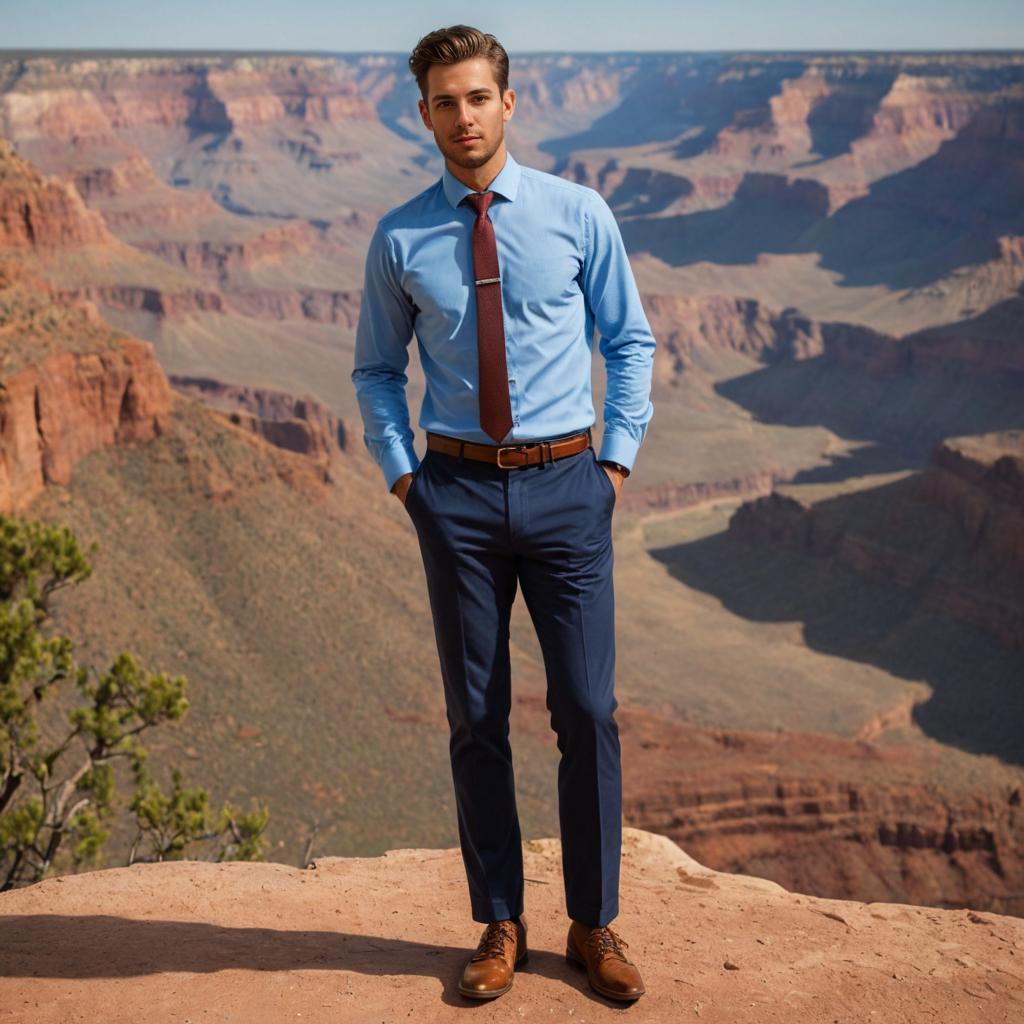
495,407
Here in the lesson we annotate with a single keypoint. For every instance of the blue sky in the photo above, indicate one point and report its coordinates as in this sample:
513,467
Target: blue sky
521,25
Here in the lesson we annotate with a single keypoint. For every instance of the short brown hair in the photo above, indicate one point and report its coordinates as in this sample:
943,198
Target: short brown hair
454,44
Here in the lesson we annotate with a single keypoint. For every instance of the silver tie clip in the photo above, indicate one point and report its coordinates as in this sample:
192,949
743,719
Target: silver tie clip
489,280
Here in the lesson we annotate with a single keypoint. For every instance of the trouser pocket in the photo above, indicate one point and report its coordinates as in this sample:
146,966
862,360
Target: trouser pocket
415,482
606,479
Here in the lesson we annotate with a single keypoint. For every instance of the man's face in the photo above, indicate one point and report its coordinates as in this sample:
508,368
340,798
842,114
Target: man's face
463,102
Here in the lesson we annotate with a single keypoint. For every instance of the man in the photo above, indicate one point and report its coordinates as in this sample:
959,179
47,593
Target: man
502,272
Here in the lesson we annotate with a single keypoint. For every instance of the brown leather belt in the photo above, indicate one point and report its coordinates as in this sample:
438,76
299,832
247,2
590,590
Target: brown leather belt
511,456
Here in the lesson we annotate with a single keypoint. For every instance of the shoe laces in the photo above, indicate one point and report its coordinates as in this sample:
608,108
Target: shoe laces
494,939
607,942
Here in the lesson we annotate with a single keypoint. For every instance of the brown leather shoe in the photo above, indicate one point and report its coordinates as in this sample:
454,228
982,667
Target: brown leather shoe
489,971
599,950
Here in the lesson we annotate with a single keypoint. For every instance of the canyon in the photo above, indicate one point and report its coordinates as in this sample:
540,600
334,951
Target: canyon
819,553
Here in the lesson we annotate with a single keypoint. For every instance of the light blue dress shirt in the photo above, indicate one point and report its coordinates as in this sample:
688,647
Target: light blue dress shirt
564,269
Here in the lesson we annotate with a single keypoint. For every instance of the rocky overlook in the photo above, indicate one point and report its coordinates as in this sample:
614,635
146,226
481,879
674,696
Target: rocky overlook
384,939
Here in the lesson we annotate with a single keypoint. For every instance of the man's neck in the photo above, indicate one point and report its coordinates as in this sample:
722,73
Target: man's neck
479,178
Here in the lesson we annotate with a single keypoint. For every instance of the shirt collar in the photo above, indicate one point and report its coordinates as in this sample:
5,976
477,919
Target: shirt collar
505,184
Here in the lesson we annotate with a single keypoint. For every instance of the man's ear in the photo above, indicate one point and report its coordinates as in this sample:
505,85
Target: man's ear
508,103
425,115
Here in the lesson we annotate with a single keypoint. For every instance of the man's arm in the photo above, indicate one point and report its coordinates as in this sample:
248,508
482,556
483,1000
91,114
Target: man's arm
382,353
626,342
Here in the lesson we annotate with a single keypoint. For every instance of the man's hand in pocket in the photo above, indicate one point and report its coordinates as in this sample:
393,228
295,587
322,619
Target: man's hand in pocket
401,487
616,476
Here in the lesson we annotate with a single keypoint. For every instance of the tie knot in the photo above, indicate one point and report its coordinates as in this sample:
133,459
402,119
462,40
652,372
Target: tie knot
480,201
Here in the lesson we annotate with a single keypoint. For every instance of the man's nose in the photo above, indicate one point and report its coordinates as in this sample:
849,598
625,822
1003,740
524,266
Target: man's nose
465,114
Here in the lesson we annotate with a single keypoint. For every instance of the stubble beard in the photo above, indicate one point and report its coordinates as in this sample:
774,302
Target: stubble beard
463,159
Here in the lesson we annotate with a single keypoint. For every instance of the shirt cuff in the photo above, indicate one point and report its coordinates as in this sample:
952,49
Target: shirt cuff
396,461
621,448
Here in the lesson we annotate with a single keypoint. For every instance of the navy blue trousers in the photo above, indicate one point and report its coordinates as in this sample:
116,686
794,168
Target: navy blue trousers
482,530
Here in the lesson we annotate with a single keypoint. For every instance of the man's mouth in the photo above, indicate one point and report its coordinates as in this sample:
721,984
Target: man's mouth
466,139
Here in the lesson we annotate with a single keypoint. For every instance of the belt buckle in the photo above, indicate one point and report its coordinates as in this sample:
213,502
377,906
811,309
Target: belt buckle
510,448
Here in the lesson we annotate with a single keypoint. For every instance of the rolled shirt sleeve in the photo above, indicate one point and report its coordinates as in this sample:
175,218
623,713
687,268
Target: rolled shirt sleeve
626,342
386,317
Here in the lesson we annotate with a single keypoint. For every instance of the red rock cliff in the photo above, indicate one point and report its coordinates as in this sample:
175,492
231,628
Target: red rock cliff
899,535
70,405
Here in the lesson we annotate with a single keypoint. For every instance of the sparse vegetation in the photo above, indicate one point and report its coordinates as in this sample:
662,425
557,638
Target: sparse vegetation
36,322
57,780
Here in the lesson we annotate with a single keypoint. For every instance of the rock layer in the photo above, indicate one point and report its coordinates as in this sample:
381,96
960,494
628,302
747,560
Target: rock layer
71,404
975,572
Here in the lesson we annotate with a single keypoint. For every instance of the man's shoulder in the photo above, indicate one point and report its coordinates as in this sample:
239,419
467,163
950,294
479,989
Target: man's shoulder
412,209
572,191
